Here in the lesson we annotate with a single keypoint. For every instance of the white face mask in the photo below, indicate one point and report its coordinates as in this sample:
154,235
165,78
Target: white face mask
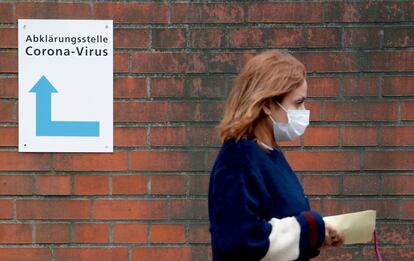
298,120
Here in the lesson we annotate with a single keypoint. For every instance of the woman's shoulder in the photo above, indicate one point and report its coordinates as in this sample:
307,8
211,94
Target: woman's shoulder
237,151
243,146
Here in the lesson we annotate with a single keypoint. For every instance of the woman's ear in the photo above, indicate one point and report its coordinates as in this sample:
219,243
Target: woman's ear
266,107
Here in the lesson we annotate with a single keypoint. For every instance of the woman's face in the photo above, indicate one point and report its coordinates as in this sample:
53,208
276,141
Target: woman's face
294,100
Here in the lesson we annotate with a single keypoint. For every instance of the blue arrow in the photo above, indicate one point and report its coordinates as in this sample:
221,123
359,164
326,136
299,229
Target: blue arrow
44,124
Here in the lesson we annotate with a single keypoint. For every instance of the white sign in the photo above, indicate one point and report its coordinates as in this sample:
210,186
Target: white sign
65,85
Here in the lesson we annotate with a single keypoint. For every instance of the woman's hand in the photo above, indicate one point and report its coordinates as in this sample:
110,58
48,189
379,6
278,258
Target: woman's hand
333,237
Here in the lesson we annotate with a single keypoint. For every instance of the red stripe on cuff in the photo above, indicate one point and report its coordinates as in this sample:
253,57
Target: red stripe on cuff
313,230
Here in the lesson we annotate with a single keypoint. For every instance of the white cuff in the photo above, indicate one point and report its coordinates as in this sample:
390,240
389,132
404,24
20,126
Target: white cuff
284,240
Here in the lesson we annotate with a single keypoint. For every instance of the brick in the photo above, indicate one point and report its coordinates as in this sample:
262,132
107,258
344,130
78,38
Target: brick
360,86
131,38
398,86
384,61
321,136
121,62
129,184
360,111
407,110
315,204
91,233
394,233
321,185
405,253
8,88
142,13
52,185
199,184
9,136
359,136
130,233
207,87
323,37
401,36
189,209
286,37
167,160
409,11
389,160
161,253
390,61
293,143
362,37
407,209
167,87
339,254
91,253
52,233
15,233
207,13
386,208
140,111
8,62
6,13
15,161
315,110
116,161
8,111
25,253
211,157
325,160
145,62
130,87
209,111
323,86
228,62
168,233
202,136
90,185
6,208
15,185
397,136
199,233
8,37
169,38
53,209
183,111
167,136
168,184
361,185
362,12
207,38
120,209
53,10
398,184
246,38
329,61
130,136
293,12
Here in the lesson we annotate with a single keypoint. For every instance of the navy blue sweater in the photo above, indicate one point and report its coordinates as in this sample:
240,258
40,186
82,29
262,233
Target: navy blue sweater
248,187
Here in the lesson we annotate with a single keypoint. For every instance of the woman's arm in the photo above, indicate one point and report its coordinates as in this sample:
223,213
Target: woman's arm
296,237
239,232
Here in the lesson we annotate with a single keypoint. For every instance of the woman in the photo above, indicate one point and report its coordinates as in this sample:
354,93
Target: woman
257,207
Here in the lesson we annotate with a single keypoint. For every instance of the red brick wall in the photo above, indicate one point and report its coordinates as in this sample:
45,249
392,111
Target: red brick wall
173,65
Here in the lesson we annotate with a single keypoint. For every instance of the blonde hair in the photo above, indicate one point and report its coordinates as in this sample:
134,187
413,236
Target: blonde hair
270,74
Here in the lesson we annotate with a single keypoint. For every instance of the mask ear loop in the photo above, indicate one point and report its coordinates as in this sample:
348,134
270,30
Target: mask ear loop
280,105
270,116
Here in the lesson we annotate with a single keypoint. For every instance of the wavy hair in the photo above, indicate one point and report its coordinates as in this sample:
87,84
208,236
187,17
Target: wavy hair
268,75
